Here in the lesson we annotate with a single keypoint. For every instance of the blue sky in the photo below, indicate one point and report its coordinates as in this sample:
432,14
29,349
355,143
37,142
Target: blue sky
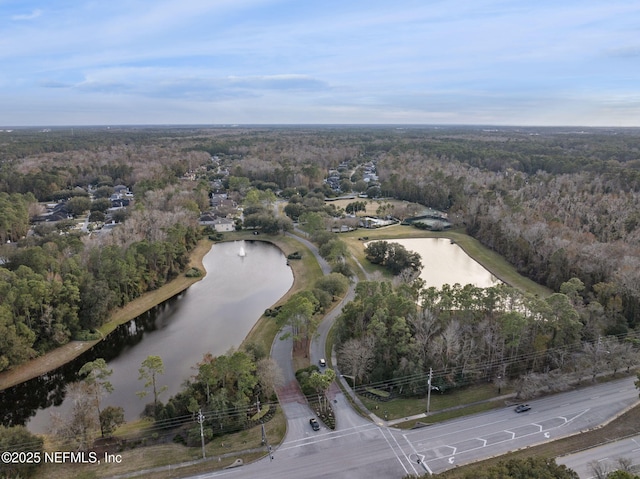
511,62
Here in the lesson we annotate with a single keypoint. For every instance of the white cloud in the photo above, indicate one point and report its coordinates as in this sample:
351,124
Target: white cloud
413,61
27,16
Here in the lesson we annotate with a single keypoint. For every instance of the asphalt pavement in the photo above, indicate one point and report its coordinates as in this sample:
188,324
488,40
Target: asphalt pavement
362,448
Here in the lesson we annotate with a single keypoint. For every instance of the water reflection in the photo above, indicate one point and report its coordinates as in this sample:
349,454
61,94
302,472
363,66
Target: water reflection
21,402
444,262
214,315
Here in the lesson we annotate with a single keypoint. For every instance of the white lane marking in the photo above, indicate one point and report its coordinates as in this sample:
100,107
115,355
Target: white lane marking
325,437
423,463
448,431
394,452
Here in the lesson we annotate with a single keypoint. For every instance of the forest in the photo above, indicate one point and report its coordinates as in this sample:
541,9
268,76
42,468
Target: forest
561,205
60,283
389,336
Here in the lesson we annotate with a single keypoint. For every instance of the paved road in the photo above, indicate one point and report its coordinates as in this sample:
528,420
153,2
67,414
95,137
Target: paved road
606,457
497,432
326,267
368,450
359,448
363,449
361,452
290,396
346,417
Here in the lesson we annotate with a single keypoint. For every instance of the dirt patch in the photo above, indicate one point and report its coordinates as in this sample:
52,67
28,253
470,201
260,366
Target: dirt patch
44,364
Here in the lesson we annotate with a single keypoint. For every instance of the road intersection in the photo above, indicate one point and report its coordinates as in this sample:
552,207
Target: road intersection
366,447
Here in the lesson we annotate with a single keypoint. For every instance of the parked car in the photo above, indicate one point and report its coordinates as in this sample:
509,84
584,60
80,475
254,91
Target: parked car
522,408
315,425
322,362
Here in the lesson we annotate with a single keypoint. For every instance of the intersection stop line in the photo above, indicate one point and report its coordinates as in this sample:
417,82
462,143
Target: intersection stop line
421,458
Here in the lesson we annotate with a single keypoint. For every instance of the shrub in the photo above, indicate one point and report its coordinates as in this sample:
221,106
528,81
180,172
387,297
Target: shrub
86,335
193,273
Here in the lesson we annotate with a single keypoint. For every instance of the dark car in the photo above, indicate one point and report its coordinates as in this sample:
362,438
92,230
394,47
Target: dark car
522,408
314,424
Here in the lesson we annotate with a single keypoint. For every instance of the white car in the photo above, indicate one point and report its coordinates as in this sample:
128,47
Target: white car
322,363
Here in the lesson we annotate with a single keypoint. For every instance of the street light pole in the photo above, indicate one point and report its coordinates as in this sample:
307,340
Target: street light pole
201,421
265,442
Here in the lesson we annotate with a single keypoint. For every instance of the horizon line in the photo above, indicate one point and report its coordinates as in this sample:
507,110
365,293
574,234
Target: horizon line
316,125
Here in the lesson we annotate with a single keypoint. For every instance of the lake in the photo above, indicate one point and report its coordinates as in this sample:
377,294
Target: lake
213,315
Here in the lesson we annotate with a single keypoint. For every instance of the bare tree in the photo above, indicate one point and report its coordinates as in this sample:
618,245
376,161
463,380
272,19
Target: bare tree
630,356
78,429
451,344
529,385
620,354
600,470
625,464
269,376
425,326
596,357
356,357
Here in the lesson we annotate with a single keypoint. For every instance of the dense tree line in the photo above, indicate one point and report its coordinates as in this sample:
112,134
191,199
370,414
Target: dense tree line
48,306
15,215
393,335
59,284
59,287
557,204
141,161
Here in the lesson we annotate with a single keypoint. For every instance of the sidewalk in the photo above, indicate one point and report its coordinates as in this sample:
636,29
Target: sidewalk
453,408
393,422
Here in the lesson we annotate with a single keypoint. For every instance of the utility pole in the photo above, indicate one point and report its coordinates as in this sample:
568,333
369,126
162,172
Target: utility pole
266,442
429,389
201,421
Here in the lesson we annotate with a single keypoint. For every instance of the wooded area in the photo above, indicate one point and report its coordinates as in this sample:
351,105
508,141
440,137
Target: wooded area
562,206
558,204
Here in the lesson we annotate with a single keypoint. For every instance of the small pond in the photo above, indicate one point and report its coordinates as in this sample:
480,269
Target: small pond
444,262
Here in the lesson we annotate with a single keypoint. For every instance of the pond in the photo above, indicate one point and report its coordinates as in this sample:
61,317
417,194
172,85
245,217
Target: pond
444,262
213,315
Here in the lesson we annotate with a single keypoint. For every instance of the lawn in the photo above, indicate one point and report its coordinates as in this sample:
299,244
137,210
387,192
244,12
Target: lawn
306,272
489,259
220,452
463,400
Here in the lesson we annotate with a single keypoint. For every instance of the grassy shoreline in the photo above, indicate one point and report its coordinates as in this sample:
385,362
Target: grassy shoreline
62,355
489,259
305,272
